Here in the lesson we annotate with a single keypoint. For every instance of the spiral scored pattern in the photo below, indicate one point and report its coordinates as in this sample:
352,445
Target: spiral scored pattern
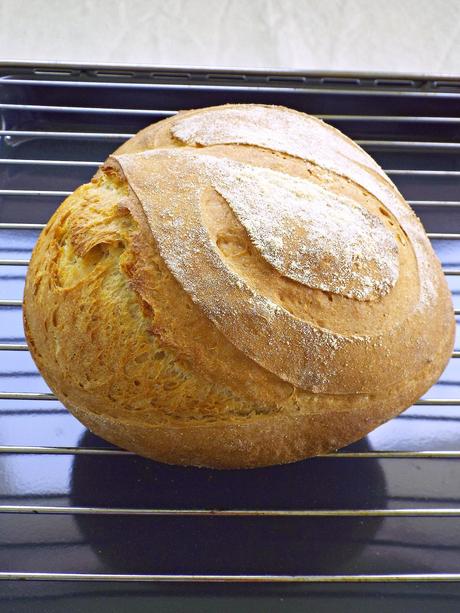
331,225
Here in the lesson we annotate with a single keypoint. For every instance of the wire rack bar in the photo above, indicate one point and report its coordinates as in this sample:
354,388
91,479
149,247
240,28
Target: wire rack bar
389,171
450,272
92,135
18,303
36,193
40,226
68,135
72,450
390,118
26,162
14,262
13,347
33,192
408,144
22,226
27,396
24,347
58,510
98,135
193,578
76,163
379,144
425,173
88,109
169,113
443,236
126,135
447,402
434,203
300,89
48,396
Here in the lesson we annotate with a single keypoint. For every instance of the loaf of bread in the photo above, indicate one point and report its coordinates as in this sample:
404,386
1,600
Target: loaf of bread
238,286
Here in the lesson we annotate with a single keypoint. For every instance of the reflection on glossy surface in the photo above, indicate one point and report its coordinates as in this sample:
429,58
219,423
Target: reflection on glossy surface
225,545
264,598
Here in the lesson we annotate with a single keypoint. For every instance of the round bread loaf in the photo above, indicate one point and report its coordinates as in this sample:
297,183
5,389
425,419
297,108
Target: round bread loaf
238,286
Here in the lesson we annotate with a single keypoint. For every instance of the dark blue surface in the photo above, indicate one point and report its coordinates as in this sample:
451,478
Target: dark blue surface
213,544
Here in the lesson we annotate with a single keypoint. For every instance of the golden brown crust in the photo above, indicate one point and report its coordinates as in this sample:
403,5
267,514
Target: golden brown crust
247,443
150,366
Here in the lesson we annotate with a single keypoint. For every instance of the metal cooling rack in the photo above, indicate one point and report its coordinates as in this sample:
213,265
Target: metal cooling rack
378,522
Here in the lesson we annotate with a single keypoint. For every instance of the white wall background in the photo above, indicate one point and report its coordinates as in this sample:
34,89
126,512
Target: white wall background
412,36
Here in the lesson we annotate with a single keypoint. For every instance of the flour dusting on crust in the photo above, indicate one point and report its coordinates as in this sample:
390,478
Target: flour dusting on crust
274,128
295,225
294,349
308,233
303,136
